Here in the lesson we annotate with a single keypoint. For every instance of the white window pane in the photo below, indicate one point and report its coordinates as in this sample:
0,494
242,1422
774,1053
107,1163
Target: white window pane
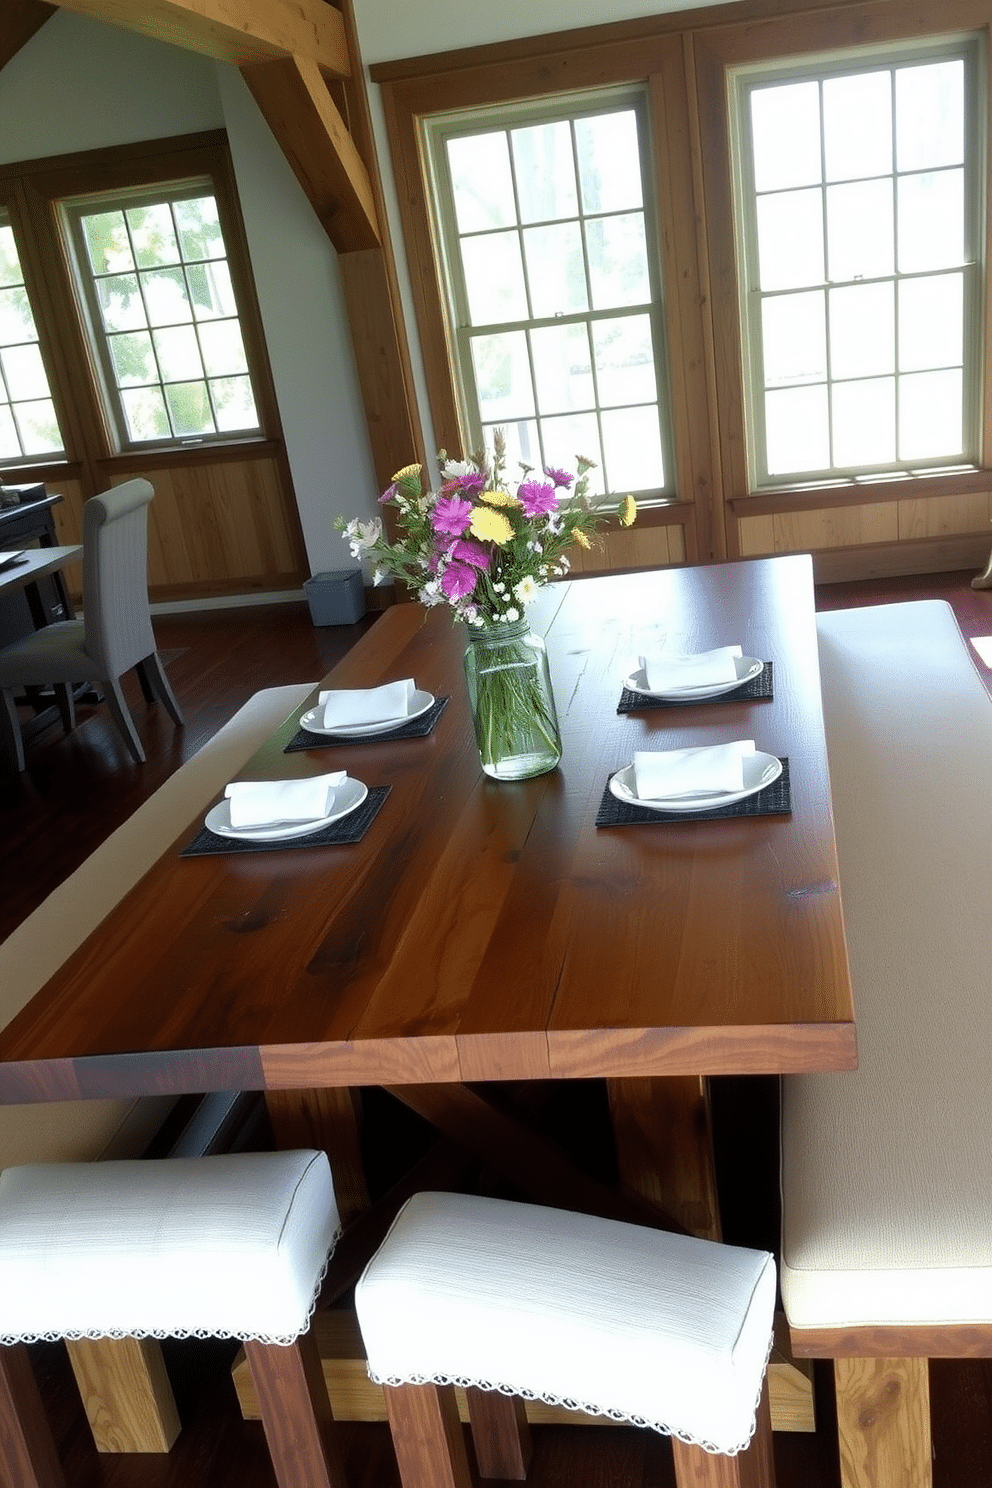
10,268
144,413
931,221
24,371
133,359
562,368
16,320
189,408
609,162
632,450
618,263
234,403
860,230
165,297
555,270
794,338
790,239
10,445
545,172
862,330
107,242
211,290
625,364
38,427
121,304
569,436
481,183
494,279
178,354
931,322
930,115
796,430
864,423
930,415
502,377
785,134
223,348
153,236
199,228
522,444
857,126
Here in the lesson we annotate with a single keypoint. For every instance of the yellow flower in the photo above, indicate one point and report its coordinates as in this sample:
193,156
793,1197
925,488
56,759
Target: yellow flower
499,498
490,526
628,511
406,473
580,537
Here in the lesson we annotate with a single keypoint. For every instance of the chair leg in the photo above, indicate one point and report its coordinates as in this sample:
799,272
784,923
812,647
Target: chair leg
66,706
121,716
155,683
28,1458
10,727
296,1414
883,1423
755,1468
500,1434
125,1392
427,1436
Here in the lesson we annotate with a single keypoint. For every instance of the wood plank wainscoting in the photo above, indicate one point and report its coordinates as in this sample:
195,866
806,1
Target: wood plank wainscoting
77,789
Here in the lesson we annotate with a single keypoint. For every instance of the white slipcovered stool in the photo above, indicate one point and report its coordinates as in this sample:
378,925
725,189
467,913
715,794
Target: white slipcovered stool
230,1247
512,1299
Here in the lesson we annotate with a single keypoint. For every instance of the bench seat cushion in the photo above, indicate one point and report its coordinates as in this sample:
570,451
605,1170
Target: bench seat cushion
616,1319
887,1170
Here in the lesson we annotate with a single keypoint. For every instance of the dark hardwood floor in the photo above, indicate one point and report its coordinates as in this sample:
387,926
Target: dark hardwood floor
78,789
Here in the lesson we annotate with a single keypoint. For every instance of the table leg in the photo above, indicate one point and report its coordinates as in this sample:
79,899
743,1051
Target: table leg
330,1120
665,1149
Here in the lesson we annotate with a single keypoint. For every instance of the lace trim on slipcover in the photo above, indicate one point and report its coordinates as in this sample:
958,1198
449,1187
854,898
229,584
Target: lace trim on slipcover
579,1405
282,1339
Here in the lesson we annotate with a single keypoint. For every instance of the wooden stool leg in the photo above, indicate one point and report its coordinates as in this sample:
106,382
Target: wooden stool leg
125,1392
754,1468
28,1458
500,1434
427,1436
296,1414
883,1423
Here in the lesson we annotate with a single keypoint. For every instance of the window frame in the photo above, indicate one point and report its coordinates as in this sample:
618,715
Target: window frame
27,461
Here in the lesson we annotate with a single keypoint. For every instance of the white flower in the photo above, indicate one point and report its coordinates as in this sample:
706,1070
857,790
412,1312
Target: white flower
563,565
512,614
452,469
526,591
431,594
362,535
499,588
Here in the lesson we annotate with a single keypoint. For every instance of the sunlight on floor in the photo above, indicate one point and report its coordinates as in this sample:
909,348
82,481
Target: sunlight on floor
983,645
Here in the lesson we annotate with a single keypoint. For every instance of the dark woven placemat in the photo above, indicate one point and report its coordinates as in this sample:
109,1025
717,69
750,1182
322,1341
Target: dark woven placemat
350,828
774,800
417,728
760,686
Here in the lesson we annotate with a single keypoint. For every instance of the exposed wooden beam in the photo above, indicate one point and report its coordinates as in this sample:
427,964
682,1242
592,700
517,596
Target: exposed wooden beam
314,138
243,32
19,20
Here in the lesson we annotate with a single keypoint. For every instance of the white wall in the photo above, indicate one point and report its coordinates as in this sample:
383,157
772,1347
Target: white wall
103,86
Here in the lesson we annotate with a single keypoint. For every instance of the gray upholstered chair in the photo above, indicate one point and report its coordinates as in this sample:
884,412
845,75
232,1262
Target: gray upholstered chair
114,634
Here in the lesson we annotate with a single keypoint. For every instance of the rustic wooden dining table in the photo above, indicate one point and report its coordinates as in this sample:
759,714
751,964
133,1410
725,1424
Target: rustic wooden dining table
485,931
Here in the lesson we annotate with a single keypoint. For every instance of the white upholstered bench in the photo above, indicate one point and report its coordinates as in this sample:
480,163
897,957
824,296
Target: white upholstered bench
124,1386
887,1171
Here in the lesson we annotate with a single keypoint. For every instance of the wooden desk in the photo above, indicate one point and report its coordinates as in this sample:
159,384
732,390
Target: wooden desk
36,563
490,932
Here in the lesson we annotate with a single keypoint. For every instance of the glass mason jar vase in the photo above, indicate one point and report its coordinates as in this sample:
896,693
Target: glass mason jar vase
513,707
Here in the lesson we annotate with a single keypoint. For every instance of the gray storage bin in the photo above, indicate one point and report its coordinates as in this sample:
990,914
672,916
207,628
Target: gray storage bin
336,598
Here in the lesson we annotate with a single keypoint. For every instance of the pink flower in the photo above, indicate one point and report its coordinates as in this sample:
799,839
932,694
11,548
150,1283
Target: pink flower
537,498
471,552
458,580
472,482
561,478
451,515
388,494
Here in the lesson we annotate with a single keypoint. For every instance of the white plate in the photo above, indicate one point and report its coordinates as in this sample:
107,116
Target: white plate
759,770
748,667
347,798
419,705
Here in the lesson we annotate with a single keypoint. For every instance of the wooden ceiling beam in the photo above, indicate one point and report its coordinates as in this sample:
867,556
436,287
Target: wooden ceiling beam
314,138
243,32
19,20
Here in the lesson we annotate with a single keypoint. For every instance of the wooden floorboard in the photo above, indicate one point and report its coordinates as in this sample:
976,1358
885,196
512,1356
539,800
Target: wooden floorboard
77,789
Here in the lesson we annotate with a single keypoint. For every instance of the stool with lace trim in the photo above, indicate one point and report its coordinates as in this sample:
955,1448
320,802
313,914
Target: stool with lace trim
234,1246
517,1302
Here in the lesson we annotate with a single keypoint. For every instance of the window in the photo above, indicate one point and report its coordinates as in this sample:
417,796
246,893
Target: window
29,428
553,287
153,275
859,204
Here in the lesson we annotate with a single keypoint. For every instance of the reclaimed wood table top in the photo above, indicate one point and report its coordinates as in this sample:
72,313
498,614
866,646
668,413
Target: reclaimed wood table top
482,930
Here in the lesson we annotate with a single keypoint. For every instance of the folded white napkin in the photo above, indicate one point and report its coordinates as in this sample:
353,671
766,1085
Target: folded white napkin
260,803
674,669
349,707
661,774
